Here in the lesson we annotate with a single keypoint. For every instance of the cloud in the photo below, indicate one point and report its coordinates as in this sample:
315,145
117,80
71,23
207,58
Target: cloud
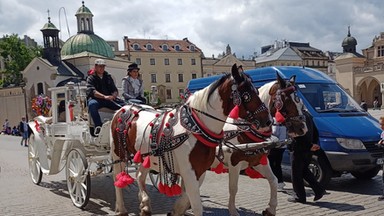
246,25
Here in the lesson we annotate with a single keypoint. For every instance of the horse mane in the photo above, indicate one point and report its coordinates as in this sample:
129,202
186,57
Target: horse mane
264,92
201,97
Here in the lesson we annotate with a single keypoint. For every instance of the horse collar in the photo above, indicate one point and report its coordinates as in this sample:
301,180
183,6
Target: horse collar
190,121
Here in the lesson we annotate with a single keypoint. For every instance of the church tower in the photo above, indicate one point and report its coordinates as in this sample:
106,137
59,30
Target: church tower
84,20
51,50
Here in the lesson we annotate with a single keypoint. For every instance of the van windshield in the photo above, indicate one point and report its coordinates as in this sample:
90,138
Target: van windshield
328,98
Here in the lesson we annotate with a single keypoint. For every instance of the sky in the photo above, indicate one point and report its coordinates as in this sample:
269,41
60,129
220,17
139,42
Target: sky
246,25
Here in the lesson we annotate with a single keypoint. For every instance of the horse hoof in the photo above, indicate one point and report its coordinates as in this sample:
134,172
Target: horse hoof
267,213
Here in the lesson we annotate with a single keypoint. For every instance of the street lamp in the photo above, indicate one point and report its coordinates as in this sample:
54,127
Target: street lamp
22,85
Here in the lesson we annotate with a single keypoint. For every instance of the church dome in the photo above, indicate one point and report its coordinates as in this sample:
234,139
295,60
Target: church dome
83,10
87,42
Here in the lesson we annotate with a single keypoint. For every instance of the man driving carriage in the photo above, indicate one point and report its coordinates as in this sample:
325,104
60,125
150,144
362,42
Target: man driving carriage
101,92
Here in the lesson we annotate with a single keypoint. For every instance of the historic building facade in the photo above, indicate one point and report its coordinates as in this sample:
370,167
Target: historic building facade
362,75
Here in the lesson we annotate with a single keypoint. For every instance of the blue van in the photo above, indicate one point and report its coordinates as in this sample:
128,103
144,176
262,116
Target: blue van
347,134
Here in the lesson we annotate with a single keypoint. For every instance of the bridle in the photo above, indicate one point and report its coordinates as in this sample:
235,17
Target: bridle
278,104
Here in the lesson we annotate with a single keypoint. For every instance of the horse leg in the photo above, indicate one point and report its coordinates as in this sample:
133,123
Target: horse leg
145,201
182,204
120,208
234,173
266,171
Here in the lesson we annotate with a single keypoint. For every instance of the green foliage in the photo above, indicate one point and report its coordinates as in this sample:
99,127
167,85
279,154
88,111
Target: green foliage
16,56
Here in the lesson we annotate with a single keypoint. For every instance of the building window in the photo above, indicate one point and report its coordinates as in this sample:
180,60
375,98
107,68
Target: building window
380,51
192,48
165,47
138,61
153,78
136,46
181,77
149,47
180,61
152,61
194,76
40,88
177,48
193,61
168,78
169,94
166,61
181,92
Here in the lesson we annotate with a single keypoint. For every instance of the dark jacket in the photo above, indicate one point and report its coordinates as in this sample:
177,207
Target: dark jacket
304,143
105,86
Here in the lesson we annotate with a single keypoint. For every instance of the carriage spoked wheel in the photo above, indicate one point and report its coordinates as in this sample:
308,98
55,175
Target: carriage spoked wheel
33,161
78,178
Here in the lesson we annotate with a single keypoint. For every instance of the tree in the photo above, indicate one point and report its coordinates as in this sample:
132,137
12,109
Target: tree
16,56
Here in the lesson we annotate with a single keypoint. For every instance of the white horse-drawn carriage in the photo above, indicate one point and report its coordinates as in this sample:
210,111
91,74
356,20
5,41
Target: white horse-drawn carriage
63,141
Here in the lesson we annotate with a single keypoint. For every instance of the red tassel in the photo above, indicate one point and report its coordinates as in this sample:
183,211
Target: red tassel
127,179
137,158
176,190
263,159
168,191
119,184
147,162
279,117
161,188
253,173
234,112
219,168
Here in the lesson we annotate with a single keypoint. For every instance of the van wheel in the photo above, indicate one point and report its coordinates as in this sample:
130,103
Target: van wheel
320,169
366,175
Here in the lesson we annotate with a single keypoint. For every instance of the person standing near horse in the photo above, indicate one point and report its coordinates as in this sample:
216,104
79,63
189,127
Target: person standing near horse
101,92
276,154
23,127
302,151
133,85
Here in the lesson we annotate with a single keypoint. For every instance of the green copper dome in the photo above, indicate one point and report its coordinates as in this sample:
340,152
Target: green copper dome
87,42
49,25
83,10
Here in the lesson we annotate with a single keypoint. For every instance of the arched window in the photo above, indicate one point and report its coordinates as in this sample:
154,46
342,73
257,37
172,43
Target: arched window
40,88
136,47
177,47
149,47
165,47
192,48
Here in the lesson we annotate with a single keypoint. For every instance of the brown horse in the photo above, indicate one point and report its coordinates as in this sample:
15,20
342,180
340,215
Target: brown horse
181,141
286,107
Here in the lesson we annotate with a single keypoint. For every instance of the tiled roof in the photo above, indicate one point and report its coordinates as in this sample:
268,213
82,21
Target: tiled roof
157,45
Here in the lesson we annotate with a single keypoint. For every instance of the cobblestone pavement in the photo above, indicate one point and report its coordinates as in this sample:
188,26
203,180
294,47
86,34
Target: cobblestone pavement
19,196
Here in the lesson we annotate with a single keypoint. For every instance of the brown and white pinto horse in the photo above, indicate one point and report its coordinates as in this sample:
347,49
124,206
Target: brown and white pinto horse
181,141
282,99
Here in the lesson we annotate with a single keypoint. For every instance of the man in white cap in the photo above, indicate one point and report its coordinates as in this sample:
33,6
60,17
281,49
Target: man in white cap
101,92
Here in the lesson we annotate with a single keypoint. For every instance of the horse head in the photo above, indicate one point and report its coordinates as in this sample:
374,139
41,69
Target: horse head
240,95
287,107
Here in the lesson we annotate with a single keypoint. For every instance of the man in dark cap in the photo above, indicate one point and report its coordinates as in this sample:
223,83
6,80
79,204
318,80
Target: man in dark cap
101,92
133,85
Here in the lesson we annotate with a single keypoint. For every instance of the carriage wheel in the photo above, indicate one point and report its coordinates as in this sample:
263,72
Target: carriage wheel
33,161
78,178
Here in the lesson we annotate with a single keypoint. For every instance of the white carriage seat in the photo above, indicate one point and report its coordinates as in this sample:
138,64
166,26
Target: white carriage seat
106,114
43,120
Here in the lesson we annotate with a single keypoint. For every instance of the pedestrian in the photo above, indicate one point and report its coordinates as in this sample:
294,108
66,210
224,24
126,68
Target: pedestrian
364,105
275,156
133,85
101,92
380,144
376,103
302,149
24,131
5,127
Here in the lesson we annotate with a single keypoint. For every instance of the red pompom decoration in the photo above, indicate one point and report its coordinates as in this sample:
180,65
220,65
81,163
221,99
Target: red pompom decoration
125,131
234,112
157,115
119,120
219,168
123,179
161,188
151,124
171,115
279,117
167,125
168,191
137,158
176,189
264,159
123,110
253,173
147,162
118,129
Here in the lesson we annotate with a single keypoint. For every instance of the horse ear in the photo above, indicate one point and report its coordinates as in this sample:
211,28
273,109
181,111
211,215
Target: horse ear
292,80
280,80
236,74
